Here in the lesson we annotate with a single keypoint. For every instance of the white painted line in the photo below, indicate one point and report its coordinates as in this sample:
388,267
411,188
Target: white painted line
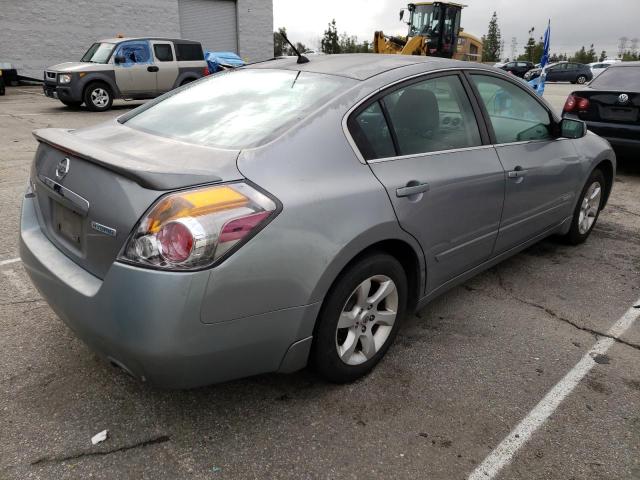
34,92
502,455
8,262
16,282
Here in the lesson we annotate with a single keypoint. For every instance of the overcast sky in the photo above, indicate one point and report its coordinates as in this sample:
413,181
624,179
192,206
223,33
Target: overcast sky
574,22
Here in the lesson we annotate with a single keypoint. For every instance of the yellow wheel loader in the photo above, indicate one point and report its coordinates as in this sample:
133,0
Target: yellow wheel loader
434,29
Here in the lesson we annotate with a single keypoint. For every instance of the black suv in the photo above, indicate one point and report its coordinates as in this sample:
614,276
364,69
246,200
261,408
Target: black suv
564,72
518,68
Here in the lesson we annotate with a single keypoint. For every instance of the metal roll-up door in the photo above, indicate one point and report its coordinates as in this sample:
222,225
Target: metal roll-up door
210,22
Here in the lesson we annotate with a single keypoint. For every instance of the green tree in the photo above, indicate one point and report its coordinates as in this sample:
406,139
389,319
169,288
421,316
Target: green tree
330,41
584,56
603,56
492,49
280,47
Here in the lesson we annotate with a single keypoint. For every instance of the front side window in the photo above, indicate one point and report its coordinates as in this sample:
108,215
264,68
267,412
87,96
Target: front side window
131,53
515,115
238,109
432,115
98,53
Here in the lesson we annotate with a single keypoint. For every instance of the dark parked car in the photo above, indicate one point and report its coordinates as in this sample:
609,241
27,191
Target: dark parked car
519,69
564,72
611,105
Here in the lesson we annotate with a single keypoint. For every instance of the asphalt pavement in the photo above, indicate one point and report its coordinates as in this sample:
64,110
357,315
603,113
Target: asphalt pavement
522,367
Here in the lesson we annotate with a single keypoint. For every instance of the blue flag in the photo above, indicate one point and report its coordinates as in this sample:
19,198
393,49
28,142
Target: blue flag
544,60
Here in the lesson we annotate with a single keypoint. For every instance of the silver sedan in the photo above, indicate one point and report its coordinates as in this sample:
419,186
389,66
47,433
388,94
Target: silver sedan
287,214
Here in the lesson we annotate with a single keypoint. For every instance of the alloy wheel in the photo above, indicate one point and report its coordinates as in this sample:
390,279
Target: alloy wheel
589,208
367,319
100,97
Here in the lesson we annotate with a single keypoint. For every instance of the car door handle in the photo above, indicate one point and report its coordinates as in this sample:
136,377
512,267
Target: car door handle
519,172
152,68
412,188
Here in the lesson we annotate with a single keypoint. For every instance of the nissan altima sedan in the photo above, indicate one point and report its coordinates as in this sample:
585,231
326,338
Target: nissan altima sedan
287,214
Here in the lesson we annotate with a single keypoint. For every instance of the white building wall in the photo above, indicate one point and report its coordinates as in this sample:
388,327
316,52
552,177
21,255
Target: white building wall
38,33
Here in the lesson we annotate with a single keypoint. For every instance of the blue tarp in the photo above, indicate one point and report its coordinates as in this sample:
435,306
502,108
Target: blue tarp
227,59
134,52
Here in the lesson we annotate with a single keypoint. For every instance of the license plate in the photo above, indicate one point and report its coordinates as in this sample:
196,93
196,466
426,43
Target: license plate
619,114
67,224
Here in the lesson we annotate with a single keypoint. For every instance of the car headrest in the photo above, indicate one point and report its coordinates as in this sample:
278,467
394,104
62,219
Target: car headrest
417,111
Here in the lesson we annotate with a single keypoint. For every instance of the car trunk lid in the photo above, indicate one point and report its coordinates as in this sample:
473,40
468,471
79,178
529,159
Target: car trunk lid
93,185
622,107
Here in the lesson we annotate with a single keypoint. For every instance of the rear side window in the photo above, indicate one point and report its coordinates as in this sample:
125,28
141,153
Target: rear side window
371,133
238,109
515,115
187,52
618,78
163,52
432,115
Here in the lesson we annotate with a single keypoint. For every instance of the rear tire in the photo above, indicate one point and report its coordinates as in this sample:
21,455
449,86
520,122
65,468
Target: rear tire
581,80
360,318
187,81
98,97
588,209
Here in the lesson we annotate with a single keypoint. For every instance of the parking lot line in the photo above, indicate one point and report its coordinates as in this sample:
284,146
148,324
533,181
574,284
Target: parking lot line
502,455
9,262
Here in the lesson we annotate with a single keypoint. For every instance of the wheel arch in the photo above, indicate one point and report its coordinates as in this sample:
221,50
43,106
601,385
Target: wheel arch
100,78
606,167
403,248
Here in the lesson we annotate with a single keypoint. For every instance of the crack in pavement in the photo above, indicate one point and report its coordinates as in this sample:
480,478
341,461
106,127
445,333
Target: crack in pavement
622,209
145,443
21,302
509,291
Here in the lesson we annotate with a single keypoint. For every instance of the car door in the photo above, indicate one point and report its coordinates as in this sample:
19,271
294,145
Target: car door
555,73
571,72
165,60
134,69
423,142
542,171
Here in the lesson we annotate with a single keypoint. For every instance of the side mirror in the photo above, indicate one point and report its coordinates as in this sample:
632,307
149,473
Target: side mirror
570,128
401,14
119,59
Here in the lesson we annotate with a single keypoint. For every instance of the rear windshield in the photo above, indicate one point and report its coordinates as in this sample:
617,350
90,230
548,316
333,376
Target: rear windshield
618,78
98,53
187,52
238,109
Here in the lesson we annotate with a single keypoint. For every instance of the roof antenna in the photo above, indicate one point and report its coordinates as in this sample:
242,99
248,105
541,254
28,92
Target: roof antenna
301,58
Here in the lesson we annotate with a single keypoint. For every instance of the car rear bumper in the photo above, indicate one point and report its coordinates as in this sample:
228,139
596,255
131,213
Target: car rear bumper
149,322
618,135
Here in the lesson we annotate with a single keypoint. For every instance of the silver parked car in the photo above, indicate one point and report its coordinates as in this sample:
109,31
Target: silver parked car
283,214
130,68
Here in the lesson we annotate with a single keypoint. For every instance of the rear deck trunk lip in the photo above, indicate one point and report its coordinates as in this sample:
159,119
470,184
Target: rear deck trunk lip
146,179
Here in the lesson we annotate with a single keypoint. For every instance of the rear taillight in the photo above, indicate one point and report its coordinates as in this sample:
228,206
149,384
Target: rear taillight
575,103
194,229
205,71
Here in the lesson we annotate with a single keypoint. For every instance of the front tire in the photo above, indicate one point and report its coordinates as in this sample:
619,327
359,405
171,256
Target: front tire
98,97
360,318
588,209
71,104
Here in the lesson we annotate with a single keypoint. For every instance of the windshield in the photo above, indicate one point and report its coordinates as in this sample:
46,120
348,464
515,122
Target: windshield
98,53
238,109
425,20
618,78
